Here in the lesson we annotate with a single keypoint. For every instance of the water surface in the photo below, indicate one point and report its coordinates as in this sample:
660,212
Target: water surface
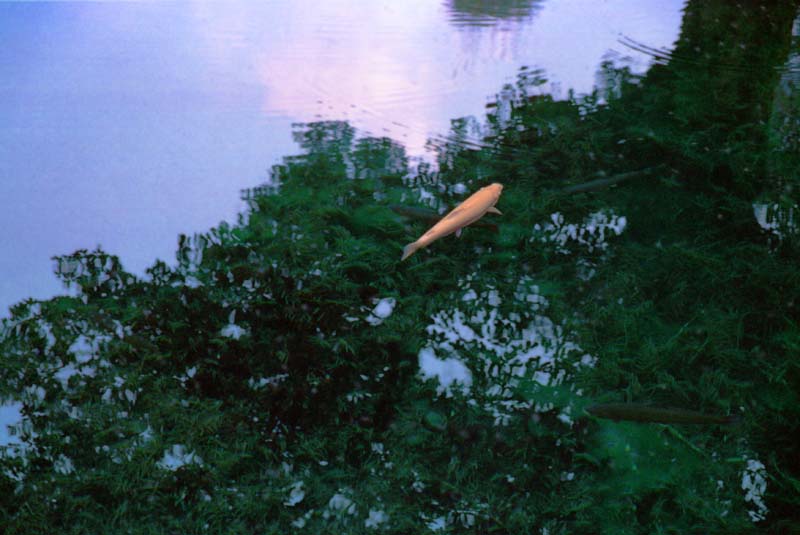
124,125
289,371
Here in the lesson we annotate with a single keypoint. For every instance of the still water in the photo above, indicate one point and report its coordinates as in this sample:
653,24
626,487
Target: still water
614,353
123,125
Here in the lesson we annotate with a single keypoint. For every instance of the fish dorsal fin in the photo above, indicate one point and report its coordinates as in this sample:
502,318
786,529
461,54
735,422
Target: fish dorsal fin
493,210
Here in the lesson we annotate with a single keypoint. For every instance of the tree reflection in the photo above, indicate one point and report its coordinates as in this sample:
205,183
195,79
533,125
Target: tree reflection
378,156
333,152
326,144
488,12
715,89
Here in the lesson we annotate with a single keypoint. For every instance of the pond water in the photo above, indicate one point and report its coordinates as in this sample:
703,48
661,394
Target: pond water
124,125
611,348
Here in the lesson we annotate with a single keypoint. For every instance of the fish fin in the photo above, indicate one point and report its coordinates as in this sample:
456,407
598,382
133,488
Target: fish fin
409,249
458,233
493,210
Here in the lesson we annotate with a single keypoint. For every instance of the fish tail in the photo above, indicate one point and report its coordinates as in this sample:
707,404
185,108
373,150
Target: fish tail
410,249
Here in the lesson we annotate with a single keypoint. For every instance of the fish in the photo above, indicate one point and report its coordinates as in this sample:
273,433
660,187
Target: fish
634,412
431,216
473,208
600,183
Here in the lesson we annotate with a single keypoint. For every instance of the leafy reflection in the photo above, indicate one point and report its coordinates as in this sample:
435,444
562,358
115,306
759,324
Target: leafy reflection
335,146
476,13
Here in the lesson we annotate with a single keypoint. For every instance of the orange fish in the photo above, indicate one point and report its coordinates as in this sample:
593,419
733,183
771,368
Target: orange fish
469,211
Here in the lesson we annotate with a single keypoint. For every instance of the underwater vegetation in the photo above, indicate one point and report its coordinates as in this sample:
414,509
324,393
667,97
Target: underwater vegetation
289,374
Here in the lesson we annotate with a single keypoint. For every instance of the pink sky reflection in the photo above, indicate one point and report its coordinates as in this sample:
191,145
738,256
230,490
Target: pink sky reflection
390,65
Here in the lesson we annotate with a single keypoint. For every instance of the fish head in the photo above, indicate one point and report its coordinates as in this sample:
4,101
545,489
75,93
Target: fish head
494,190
